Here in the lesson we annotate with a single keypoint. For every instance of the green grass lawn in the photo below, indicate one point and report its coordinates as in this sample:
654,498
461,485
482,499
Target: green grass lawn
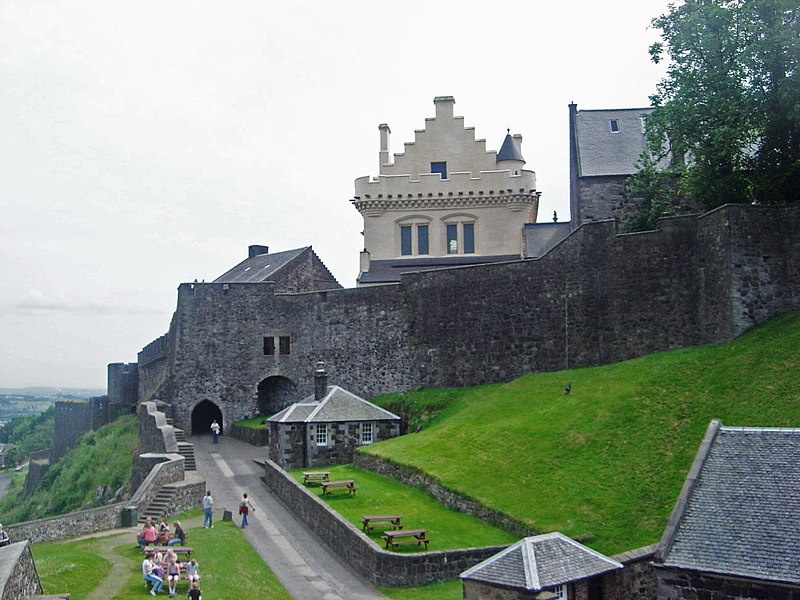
604,464
378,495
227,562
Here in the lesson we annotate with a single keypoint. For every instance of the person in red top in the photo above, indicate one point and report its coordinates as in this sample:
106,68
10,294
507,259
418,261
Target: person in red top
149,534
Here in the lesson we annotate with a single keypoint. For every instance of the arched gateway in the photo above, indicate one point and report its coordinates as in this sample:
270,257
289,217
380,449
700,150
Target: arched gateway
202,416
275,393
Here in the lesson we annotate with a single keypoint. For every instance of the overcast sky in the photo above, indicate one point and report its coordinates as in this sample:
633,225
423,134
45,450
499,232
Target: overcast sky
144,144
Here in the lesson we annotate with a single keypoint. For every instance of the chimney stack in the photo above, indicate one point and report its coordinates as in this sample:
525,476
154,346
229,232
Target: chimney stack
320,381
383,157
256,250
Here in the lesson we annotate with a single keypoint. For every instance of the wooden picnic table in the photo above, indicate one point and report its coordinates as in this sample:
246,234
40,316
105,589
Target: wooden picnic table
405,536
344,485
367,521
187,550
315,476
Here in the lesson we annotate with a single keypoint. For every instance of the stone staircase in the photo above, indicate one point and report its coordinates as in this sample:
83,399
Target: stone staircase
160,505
185,448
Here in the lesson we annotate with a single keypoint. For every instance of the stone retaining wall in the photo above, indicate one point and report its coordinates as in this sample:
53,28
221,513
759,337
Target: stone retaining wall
18,576
360,552
416,478
254,437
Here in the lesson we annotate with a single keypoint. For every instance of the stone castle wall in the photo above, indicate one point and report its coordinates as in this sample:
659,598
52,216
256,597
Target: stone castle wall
596,298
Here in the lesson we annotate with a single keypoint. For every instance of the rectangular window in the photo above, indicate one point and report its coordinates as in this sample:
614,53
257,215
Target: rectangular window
283,344
405,240
366,433
269,346
422,239
322,435
452,239
469,238
560,591
614,125
440,168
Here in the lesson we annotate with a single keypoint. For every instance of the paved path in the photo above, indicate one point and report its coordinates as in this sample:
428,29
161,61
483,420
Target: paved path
300,560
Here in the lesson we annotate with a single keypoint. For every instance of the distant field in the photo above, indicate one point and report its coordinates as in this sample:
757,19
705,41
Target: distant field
605,463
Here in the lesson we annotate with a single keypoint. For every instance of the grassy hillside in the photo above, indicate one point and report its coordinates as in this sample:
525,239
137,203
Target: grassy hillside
87,476
605,463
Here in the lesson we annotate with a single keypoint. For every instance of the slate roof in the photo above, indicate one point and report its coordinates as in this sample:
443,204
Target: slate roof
337,406
260,268
508,151
603,152
540,562
739,512
389,271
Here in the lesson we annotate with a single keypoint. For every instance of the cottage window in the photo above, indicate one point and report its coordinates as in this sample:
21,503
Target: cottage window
614,129
322,435
283,344
269,346
560,591
366,433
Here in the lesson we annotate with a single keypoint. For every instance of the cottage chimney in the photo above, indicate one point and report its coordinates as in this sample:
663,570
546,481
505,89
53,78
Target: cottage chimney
320,381
256,250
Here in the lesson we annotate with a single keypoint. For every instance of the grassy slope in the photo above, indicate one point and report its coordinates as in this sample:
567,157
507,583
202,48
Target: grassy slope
101,458
604,464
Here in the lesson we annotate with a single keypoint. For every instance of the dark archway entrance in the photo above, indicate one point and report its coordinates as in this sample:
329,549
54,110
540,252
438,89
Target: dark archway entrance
202,416
274,394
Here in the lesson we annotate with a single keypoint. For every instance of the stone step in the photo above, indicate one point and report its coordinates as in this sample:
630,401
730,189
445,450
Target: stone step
160,505
186,450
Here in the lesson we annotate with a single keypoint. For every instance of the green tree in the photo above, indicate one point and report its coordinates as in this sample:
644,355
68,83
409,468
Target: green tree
730,102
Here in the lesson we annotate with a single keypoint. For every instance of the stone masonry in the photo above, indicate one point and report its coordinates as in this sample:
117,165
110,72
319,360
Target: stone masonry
597,298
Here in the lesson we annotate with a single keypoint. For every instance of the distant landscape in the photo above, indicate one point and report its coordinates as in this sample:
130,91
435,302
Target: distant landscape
20,402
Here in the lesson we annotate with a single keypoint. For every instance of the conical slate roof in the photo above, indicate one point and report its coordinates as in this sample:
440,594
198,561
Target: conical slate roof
508,151
540,562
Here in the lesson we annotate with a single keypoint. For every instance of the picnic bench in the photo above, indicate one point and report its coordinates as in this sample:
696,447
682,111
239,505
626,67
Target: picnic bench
187,550
318,476
368,520
405,536
345,485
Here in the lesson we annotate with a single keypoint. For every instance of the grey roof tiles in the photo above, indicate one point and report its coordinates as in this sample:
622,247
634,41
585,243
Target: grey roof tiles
260,268
603,151
389,271
509,151
741,516
338,405
540,562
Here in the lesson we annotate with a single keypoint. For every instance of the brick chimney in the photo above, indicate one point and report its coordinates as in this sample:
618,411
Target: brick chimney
256,250
320,381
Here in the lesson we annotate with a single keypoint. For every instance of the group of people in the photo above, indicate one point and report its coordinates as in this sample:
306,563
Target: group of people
150,535
158,567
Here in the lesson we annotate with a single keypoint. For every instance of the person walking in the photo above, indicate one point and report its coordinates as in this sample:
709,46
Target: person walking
208,507
215,431
245,506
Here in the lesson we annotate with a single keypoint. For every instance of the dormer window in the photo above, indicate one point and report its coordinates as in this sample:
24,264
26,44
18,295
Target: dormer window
614,125
440,168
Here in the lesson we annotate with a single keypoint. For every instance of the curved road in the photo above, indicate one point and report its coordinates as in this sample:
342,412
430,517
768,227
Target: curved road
300,560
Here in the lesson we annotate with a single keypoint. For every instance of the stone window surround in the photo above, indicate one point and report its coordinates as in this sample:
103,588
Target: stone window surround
367,433
459,220
414,222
